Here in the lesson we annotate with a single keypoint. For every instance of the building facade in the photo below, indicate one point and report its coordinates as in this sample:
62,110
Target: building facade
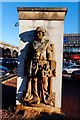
71,47
8,50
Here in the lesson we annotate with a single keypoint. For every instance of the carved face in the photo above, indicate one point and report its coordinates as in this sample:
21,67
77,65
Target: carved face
39,35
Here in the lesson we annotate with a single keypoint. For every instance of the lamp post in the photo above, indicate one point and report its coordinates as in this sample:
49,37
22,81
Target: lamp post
74,47
69,47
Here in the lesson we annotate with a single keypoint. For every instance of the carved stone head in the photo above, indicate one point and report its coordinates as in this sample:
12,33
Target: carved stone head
40,32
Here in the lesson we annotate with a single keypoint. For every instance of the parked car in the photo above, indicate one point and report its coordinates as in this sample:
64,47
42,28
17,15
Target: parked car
75,75
66,64
71,68
10,63
4,72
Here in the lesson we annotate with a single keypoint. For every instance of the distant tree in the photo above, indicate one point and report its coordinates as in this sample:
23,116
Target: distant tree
15,54
7,53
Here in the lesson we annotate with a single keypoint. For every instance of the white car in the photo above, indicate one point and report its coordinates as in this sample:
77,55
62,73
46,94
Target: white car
71,68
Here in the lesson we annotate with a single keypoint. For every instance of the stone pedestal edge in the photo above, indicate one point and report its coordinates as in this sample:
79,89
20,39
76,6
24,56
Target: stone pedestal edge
29,13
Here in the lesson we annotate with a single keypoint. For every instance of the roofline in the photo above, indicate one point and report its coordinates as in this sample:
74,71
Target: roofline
75,34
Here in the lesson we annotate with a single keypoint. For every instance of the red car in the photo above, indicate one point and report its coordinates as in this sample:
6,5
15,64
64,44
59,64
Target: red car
75,75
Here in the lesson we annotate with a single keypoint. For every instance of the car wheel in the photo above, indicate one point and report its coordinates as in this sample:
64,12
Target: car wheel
64,72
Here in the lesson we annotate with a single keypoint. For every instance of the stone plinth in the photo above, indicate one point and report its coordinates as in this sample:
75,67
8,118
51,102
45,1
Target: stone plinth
42,13
52,19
